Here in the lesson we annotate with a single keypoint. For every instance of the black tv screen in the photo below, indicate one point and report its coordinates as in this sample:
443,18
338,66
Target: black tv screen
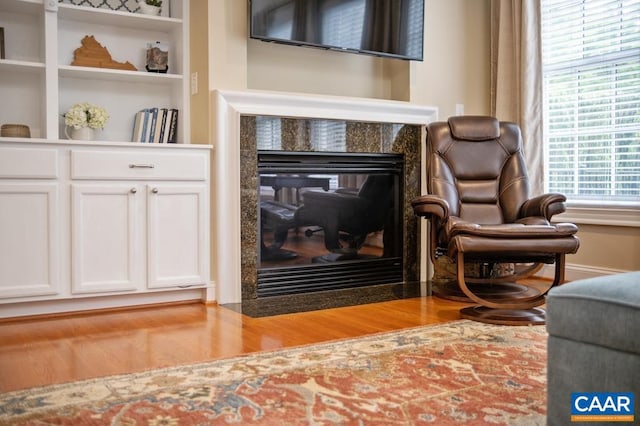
393,28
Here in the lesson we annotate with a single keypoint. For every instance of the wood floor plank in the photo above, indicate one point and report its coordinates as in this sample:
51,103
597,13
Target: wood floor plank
54,350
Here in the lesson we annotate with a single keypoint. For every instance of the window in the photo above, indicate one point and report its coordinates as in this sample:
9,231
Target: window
329,135
268,133
414,31
591,74
342,23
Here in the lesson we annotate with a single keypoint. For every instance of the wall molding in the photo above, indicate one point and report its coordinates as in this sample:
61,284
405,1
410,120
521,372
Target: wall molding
611,216
574,272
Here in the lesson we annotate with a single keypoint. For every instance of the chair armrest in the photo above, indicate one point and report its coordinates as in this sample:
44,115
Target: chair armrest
431,205
545,205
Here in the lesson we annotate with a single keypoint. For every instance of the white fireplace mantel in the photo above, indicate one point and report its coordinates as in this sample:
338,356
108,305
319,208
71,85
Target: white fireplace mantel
229,106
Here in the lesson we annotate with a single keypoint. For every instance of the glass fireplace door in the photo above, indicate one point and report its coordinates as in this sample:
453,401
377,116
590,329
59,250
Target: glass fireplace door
325,213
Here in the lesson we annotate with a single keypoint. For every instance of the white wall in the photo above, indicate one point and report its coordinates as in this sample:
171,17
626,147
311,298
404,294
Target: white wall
308,70
456,51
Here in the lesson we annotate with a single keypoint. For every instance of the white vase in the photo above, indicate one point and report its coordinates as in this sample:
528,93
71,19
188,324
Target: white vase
81,134
147,9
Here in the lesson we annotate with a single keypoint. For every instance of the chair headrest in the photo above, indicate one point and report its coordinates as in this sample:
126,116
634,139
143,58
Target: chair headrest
474,127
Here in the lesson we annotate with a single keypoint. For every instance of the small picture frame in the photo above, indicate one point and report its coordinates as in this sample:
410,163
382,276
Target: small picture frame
2,43
157,57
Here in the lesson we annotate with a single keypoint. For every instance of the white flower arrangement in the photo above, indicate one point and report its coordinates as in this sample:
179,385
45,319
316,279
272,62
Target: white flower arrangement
86,115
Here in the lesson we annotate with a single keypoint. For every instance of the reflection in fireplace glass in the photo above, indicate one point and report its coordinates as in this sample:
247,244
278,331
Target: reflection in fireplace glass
327,210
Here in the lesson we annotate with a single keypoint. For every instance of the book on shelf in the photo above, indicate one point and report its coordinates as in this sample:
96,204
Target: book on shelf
155,125
152,126
160,123
173,128
136,135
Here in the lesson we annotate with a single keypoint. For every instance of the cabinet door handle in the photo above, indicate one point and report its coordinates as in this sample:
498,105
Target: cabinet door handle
134,190
141,166
154,190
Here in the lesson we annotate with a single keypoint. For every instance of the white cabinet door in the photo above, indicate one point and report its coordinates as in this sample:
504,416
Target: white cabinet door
177,235
29,240
107,245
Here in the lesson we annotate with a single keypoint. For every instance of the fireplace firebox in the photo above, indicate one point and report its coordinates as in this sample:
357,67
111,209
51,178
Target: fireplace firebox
300,250
328,221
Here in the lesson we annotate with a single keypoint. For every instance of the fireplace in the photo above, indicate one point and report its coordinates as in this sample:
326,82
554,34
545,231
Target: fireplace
328,221
286,164
368,127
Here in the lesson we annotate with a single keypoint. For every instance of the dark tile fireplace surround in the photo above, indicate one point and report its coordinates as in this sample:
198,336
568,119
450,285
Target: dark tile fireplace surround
294,135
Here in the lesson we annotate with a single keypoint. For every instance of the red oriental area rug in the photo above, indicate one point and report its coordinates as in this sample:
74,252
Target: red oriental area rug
459,372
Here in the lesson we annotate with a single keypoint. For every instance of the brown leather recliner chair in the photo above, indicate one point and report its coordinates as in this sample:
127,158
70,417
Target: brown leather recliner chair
479,209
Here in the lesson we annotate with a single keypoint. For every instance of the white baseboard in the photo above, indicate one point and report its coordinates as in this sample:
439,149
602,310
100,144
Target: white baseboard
89,303
575,272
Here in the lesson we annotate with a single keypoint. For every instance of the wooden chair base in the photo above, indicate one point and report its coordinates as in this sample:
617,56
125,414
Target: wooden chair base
495,292
532,316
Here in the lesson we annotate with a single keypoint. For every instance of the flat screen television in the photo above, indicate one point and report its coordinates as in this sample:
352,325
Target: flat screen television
390,28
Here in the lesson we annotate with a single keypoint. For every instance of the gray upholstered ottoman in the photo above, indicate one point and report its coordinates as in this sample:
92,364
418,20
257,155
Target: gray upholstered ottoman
594,341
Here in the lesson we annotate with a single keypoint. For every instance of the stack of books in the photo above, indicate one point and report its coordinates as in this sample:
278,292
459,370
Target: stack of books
156,125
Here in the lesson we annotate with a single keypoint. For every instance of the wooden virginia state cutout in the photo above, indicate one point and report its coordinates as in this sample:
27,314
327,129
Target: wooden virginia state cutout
93,54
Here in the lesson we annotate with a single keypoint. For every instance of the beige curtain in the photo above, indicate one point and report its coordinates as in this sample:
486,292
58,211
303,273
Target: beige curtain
516,77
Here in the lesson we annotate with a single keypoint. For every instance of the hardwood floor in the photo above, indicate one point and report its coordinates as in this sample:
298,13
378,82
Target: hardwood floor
38,352
55,350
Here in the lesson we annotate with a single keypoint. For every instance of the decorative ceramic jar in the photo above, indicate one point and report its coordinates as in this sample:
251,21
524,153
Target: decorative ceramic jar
81,134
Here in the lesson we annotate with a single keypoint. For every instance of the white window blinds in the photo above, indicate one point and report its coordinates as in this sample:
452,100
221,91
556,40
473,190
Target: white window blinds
268,133
342,24
591,72
329,135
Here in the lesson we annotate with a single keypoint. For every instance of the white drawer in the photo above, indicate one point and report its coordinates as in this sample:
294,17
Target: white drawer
110,165
28,163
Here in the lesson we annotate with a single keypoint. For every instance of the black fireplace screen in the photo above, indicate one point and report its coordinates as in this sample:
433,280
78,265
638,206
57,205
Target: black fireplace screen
328,221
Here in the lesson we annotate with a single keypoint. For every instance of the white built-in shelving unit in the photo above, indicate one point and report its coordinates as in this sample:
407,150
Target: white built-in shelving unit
105,223
38,84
